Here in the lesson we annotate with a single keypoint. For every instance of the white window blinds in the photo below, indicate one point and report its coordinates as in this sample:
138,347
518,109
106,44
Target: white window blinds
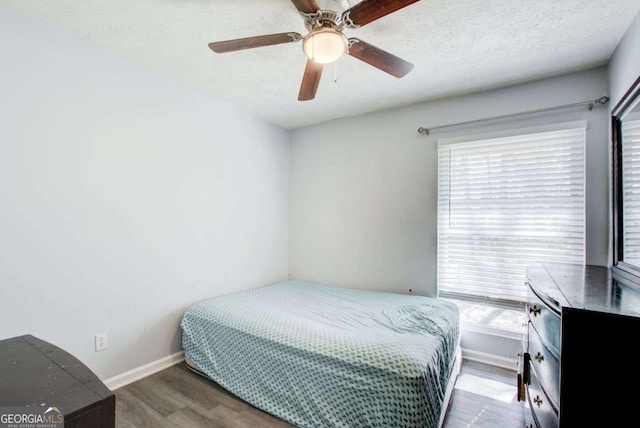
631,191
505,203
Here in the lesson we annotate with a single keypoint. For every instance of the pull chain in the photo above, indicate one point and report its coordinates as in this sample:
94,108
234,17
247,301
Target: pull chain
335,73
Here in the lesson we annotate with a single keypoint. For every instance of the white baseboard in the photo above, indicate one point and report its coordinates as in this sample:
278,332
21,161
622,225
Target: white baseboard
138,373
490,359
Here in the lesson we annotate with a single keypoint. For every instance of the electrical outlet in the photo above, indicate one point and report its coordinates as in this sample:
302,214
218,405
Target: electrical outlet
101,342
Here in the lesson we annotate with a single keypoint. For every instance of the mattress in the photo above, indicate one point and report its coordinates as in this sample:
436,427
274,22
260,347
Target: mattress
321,356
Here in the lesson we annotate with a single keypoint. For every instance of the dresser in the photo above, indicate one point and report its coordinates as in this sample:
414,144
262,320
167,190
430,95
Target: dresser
37,374
578,365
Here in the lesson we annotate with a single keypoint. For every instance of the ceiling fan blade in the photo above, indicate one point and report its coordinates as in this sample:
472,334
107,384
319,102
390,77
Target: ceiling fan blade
254,42
378,58
306,6
369,10
310,81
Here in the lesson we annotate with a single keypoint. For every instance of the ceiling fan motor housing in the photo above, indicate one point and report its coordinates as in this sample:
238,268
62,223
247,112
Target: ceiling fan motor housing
335,5
329,15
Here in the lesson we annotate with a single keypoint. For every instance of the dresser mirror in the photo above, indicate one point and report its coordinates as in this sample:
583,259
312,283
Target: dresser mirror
626,181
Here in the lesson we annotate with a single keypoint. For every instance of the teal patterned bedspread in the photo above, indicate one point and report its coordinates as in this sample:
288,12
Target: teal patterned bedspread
323,356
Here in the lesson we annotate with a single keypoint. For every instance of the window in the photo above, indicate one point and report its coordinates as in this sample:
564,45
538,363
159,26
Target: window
630,130
626,183
504,203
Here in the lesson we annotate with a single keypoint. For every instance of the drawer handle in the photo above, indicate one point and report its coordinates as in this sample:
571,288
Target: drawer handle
538,400
539,357
534,310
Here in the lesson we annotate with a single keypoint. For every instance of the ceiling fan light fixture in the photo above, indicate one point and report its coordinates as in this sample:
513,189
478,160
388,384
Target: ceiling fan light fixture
325,45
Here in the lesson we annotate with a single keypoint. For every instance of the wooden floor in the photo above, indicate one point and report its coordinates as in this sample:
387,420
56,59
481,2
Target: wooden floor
179,398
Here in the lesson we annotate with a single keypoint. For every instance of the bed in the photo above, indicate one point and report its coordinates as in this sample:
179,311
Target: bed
317,355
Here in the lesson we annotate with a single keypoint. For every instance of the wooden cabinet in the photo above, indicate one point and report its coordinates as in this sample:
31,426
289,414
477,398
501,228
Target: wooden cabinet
36,373
577,365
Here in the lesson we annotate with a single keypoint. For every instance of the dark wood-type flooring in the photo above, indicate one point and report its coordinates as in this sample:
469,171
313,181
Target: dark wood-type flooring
177,397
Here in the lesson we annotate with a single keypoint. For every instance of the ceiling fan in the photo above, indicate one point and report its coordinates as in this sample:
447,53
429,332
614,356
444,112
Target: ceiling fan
325,43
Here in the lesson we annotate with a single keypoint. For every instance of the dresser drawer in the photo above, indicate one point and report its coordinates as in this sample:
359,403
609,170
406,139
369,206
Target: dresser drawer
545,321
529,422
541,408
545,365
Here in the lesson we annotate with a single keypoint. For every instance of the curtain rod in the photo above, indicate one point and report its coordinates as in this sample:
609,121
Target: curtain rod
589,104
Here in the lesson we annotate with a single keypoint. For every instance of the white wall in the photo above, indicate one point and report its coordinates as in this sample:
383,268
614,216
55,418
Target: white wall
124,198
624,66
363,190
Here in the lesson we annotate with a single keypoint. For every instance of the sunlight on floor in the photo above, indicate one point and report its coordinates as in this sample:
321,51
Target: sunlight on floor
491,317
486,387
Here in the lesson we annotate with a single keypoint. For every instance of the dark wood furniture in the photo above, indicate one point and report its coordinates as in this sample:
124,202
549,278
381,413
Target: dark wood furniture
578,367
35,373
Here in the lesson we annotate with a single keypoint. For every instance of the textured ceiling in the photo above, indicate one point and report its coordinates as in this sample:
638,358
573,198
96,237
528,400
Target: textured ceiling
457,47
